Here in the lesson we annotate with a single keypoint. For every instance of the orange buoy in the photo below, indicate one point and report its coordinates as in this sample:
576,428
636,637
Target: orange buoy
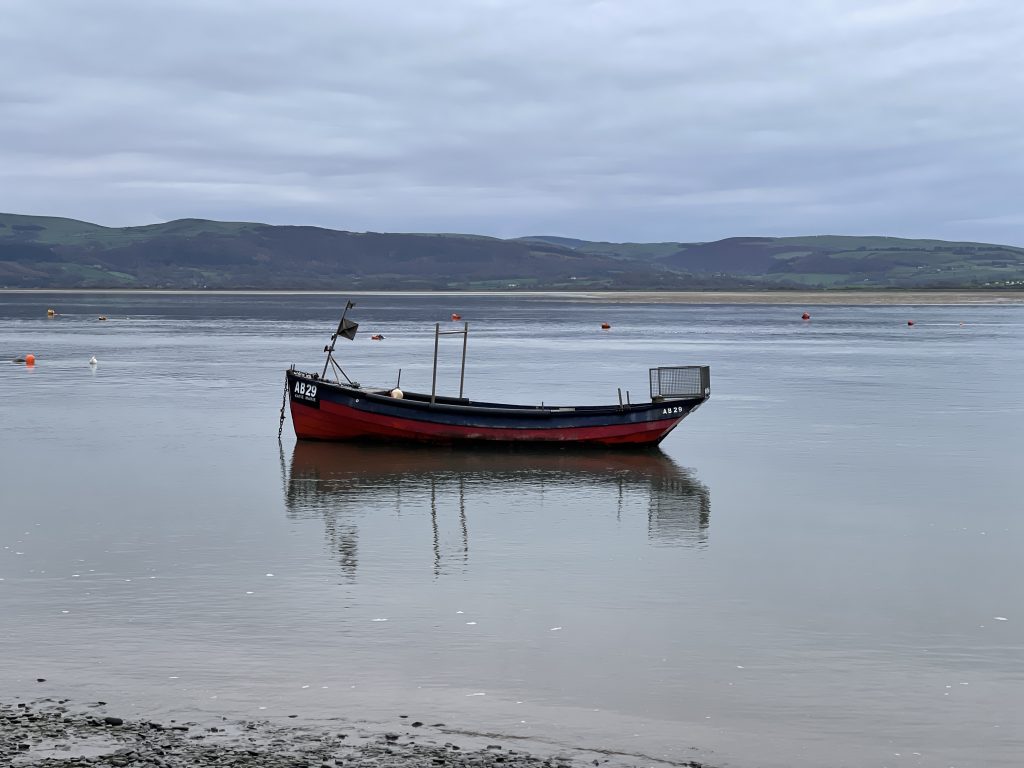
30,360
805,316
910,322
456,316
377,337
605,326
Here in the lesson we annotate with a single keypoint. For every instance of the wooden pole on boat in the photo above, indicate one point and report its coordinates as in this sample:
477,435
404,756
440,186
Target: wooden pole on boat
334,338
433,384
465,340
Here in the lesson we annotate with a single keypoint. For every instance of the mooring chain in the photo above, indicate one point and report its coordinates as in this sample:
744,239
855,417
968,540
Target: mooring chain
284,402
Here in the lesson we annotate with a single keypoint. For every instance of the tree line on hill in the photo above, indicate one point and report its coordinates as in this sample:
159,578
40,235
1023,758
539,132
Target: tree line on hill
49,252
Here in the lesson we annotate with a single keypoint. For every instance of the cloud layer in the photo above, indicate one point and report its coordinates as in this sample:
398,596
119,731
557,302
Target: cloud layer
646,120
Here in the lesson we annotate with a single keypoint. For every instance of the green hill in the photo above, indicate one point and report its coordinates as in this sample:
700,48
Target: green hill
48,252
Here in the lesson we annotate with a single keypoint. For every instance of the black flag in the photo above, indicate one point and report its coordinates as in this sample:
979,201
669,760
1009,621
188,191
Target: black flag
347,329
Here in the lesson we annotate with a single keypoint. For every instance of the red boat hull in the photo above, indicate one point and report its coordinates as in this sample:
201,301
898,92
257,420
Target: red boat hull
339,422
340,413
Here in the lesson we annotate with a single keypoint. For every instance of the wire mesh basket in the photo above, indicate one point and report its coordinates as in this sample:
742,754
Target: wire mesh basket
680,381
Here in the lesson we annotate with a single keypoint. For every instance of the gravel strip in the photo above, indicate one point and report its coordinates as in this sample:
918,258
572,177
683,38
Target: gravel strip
54,734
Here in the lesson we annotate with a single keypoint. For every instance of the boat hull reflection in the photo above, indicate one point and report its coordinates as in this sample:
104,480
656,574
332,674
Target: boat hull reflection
342,483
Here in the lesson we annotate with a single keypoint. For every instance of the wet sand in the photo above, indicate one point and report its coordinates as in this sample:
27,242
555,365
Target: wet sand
803,298
811,298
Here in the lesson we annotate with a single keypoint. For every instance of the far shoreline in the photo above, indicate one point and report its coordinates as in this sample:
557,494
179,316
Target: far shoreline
893,297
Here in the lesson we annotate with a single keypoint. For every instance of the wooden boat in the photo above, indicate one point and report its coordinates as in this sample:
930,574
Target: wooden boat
322,409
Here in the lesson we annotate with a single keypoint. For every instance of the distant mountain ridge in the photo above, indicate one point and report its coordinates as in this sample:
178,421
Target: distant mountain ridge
48,252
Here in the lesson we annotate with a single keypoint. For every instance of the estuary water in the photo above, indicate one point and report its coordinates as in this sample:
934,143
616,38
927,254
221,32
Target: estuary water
821,567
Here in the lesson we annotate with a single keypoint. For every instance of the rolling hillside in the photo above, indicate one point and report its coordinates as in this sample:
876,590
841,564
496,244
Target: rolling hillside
46,252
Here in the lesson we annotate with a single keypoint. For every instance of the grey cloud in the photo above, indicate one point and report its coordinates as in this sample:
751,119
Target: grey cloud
647,120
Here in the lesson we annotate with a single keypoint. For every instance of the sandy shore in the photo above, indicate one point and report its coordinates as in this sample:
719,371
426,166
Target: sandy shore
802,298
56,734
813,298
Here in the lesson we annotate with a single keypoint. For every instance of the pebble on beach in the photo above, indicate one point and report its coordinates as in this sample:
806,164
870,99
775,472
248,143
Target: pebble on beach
52,735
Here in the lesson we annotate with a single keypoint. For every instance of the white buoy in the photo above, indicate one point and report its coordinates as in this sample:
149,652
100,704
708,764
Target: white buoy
397,393
93,360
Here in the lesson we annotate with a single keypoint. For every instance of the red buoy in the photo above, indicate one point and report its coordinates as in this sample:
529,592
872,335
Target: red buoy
456,316
910,322
606,326
805,316
30,360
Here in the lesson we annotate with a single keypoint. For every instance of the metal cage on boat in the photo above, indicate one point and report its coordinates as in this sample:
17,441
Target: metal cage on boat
680,381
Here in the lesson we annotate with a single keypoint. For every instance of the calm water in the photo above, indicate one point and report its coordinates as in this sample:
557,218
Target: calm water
809,574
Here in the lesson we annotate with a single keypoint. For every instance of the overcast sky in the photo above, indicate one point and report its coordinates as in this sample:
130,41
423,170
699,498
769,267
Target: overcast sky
621,120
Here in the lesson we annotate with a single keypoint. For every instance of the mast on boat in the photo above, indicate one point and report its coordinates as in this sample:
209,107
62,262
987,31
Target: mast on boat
348,329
